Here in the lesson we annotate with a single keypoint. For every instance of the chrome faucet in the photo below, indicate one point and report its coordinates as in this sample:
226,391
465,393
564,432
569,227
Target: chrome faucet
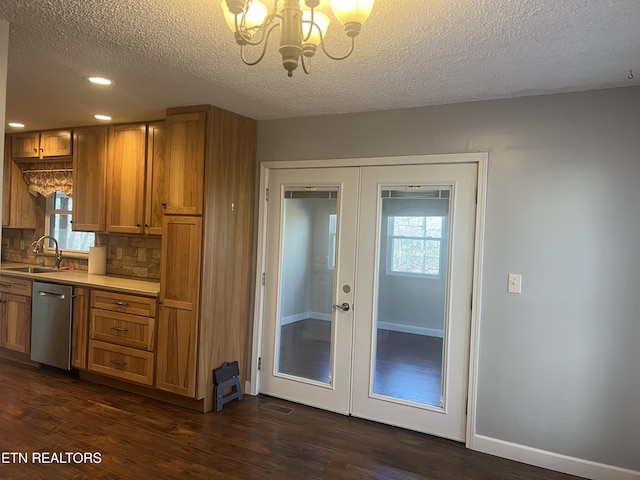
38,244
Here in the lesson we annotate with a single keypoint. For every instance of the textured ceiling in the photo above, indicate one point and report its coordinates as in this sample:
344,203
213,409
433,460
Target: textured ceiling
166,53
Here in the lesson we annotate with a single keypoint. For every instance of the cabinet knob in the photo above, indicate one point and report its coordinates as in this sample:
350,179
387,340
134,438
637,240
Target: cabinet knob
35,150
138,225
164,204
146,225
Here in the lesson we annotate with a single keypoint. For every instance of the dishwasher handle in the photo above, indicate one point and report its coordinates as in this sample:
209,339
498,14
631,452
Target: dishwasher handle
43,293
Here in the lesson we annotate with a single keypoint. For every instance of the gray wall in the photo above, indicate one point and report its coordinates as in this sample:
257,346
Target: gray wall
295,267
559,364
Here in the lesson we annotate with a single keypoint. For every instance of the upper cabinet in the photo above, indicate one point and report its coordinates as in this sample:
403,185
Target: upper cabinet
20,209
156,178
41,145
89,174
6,181
136,179
126,179
185,153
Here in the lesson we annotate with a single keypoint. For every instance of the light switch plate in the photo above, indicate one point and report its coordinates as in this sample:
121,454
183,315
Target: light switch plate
515,283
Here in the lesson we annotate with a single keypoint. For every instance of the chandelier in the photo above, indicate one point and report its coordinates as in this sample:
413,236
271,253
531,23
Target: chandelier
301,31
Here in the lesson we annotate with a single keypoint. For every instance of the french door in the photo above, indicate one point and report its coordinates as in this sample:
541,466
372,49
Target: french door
367,292
310,267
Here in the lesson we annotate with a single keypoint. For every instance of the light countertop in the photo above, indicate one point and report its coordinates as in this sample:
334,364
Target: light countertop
82,278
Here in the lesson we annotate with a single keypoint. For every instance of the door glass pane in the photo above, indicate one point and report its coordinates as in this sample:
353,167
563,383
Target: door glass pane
304,331
411,294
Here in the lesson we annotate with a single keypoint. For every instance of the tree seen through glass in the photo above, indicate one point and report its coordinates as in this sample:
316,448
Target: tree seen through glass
60,226
415,244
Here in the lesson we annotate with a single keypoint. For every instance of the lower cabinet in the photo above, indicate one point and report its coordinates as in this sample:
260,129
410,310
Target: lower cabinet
122,336
179,294
122,362
15,314
80,327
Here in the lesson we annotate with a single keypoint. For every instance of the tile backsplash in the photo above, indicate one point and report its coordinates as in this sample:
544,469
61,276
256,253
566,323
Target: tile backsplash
127,255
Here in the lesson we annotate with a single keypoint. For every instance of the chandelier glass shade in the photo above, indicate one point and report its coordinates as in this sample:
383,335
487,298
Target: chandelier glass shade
302,31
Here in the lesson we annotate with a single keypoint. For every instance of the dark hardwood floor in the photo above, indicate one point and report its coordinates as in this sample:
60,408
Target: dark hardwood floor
140,438
407,366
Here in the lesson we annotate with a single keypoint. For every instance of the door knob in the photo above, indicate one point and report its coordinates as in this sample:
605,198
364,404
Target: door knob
344,307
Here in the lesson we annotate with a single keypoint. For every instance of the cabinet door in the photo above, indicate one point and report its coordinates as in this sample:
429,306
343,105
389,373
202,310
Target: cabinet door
156,178
25,145
176,351
80,328
126,178
55,143
16,323
25,210
6,181
185,145
89,165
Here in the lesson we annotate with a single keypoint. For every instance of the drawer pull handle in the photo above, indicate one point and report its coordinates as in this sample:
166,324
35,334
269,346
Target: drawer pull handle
120,304
6,285
119,329
118,362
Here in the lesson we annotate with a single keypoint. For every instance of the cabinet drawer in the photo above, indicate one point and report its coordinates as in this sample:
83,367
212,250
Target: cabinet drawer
16,286
123,303
121,362
129,330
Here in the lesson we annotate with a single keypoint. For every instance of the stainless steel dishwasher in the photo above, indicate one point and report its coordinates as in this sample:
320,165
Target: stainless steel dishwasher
51,324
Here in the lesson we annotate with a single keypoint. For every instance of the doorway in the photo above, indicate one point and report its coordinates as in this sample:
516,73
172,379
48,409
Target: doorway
368,276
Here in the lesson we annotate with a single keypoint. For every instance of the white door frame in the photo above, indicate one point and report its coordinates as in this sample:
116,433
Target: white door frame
481,159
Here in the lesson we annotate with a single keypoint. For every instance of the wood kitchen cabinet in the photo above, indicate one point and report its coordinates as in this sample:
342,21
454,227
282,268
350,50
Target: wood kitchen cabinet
179,293
40,145
89,176
80,327
20,209
15,314
185,152
126,178
157,178
136,183
6,181
205,279
122,336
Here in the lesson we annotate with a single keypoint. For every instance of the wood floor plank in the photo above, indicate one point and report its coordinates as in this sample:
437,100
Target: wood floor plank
139,438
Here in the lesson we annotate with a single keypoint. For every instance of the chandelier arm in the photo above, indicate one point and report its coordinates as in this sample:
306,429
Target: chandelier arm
246,32
264,41
311,25
306,67
353,42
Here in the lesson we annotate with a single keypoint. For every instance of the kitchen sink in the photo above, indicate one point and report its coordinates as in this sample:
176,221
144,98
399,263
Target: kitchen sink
35,269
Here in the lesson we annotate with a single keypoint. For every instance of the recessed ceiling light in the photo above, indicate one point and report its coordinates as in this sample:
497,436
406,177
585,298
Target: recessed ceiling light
102,117
16,125
100,80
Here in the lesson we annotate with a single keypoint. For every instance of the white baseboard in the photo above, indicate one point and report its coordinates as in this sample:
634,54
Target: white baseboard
304,316
398,327
294,318
248,389
394,327
550,460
